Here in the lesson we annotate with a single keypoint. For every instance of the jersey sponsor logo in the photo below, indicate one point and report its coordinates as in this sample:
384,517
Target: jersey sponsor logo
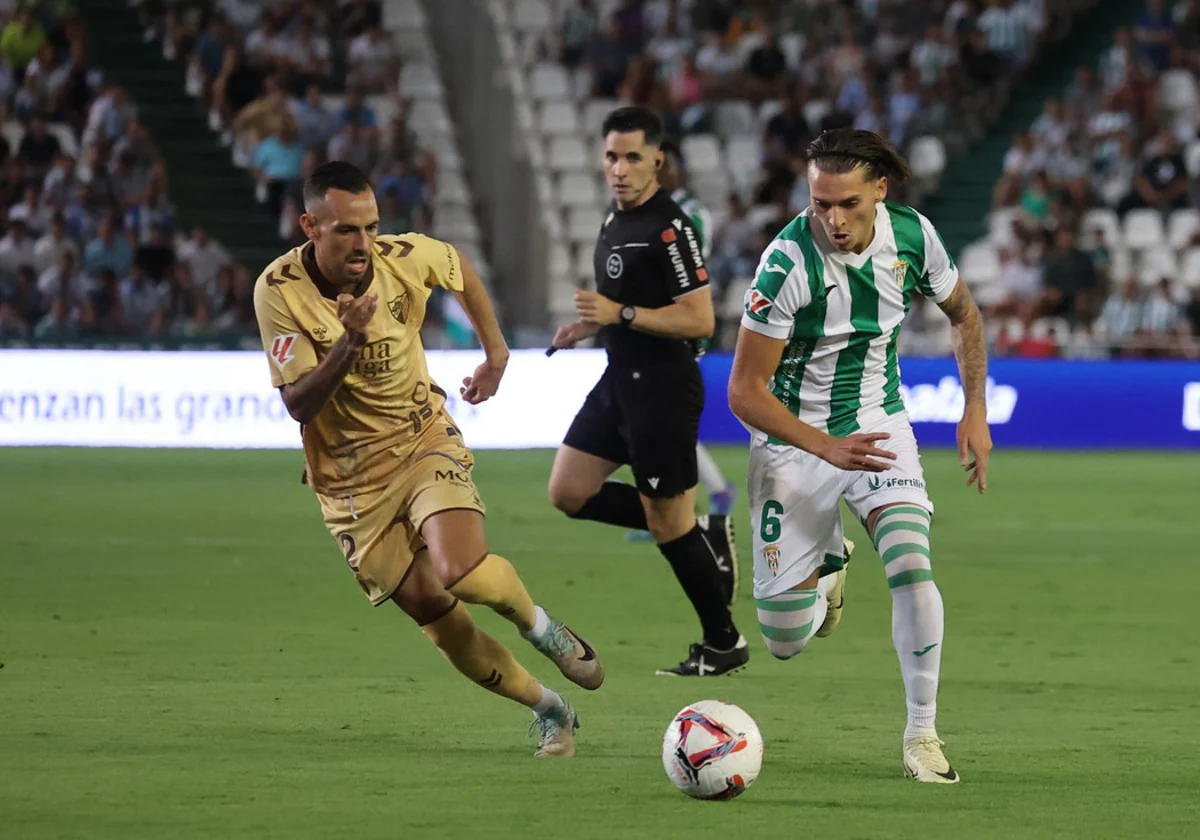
758,303
694,247
456,477
677,261
614,265
653,482
899,270
400,306
771,555
668,236
875,484
281,348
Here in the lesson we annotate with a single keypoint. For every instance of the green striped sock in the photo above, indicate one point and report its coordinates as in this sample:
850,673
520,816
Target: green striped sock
787,621
901,537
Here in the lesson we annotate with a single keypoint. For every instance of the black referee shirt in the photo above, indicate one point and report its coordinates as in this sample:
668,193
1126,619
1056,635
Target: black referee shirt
647,256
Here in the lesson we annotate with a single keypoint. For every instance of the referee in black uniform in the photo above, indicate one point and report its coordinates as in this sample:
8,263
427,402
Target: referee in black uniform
652,301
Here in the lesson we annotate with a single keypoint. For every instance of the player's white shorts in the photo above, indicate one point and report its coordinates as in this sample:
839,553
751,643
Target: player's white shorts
794,504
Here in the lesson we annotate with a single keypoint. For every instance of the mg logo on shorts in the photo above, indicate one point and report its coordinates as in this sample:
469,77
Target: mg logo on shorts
614,266
771,555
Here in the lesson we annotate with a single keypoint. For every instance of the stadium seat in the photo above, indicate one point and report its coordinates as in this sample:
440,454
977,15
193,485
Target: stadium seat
429,115
577,189
1103,219
1177,97
979,263
549,81
767,111
744,157
712,188
1120,267
816,110
562,297
1192,158
555,229
420,81
1000,225
567,154
927,157
583,265
594,113
1155,264
702,152
558,119
734,117
583,224
385,108
414,45
1143,229
454,223
403,14
1189,268
452,188
1182,225
560,261
531,16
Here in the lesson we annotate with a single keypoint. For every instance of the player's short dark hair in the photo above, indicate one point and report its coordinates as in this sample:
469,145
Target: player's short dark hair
846,149
335,175
631,118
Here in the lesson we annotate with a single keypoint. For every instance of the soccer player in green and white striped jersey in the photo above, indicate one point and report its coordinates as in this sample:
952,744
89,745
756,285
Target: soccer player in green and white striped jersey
816,379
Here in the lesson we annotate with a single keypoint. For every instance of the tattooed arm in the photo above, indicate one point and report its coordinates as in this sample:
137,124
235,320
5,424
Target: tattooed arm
970,350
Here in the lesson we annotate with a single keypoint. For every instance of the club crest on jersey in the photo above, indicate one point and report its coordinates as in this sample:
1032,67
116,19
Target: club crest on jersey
614,265
771,555
899,270
281,348
399,307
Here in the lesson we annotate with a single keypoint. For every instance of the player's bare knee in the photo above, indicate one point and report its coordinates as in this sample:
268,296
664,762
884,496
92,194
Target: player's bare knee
567,497
421,595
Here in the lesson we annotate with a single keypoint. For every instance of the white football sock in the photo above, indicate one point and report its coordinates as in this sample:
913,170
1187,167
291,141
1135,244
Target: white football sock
550,699
541,624
788,621
710,474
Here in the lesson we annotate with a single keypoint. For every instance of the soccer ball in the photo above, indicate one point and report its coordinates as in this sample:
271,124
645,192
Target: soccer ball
712,750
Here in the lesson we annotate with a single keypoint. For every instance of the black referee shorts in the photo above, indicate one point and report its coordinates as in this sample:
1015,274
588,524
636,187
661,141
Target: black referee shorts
648,418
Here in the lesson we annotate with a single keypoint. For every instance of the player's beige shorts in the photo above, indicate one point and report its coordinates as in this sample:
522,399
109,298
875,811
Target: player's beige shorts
380,532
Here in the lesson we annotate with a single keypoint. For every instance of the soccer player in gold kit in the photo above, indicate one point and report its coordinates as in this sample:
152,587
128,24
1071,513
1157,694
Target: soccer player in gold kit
340,319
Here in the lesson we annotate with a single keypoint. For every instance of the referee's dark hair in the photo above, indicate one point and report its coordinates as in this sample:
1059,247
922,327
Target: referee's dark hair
335,175
631,118
842,150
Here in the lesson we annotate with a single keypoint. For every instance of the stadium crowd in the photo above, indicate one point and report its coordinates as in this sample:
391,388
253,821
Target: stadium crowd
89,244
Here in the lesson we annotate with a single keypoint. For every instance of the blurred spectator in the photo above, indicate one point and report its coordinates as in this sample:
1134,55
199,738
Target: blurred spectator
1121,318
108,250
1069,280
373,61
205,257
355,145
32,212
141,302
355,110
38,147
57,321
277,162
16,250
156,255
101,310
1153,32
61,280
1163,182
788,132
187,312
1021,282
1008,29
232,296
54,244
316,123
21,39
61,183
580,21
1162,325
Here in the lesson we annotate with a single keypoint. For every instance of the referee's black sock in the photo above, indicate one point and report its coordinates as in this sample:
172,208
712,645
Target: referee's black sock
695,566
617,503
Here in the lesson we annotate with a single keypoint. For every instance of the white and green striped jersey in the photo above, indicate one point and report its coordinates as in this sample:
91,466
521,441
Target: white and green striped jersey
701,218
841,313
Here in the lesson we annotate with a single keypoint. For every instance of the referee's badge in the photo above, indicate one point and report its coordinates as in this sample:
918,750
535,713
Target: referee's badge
614,266
899,270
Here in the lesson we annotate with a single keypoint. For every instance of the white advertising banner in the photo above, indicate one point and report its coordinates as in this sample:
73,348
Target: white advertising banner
225,400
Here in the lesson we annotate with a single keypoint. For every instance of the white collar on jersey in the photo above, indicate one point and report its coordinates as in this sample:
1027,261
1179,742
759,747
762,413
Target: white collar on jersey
883,230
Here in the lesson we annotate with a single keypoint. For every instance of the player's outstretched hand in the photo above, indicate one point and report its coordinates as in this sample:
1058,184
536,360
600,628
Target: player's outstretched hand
483,385
595,308
355,314
859,453
975,440
568,336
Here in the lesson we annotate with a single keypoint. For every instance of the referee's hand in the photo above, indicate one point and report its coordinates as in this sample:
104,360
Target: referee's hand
568,336
858,453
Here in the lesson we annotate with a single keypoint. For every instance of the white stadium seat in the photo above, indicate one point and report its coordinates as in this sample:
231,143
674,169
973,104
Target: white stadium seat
815,110
702,152
429,115
1177,93
578,189
734,117
1144,229
1192,157
455,223
744,157
583,265
1103,219
583,224
1120,267
420,81
1189,268
1155,264
927,156
1000,225
531,16
1182,225
567,154
979,263
594,113
452,188
549,81
403,14
560,261
414,45
558,119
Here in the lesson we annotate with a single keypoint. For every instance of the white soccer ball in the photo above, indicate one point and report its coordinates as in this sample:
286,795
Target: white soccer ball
712,750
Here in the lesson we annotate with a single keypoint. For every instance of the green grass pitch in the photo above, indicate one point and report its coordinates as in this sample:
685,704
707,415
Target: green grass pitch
186,655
